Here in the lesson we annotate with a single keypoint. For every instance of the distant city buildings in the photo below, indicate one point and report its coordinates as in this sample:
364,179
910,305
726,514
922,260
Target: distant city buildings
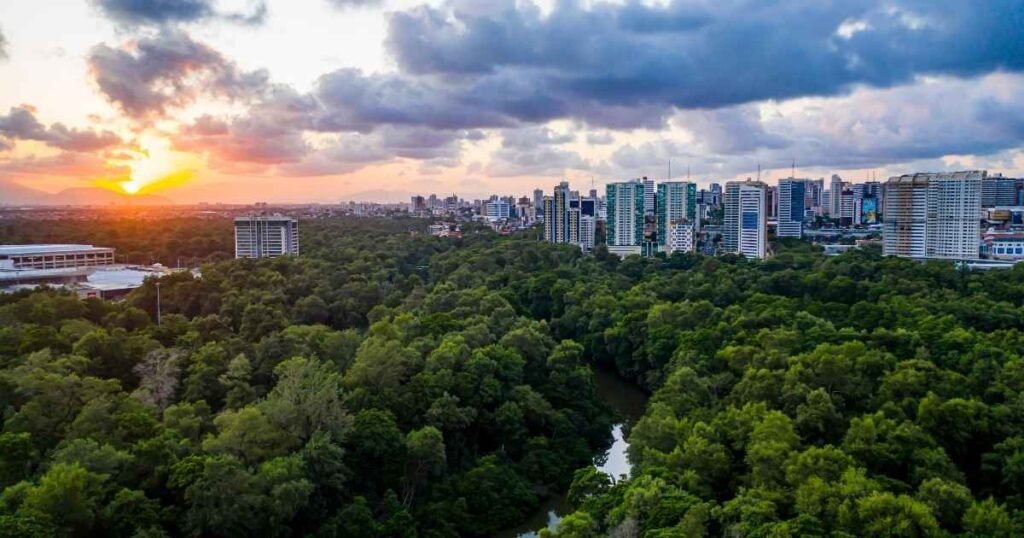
933,216
266,236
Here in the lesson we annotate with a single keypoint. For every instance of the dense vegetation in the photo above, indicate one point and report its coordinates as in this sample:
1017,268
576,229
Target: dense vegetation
388,384
335,394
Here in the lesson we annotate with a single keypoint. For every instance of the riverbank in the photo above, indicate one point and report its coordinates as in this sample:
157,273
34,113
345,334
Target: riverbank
629,403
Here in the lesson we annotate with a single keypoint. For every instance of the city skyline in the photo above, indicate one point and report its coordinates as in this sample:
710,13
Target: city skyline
242,101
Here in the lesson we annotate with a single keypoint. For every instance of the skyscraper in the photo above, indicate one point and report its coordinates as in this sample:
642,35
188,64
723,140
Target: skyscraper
266,237
835,197
933,215
649,200
675,200
998,191
743,230
625,225
792,197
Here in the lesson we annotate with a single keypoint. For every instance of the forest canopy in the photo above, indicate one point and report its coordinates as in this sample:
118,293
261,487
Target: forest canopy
389,383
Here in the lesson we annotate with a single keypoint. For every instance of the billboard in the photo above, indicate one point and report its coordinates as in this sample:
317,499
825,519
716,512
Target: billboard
869,210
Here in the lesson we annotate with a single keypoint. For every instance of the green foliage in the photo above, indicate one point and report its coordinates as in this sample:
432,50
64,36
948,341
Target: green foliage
389,383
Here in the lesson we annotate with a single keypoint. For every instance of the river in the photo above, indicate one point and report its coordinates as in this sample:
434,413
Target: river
629,403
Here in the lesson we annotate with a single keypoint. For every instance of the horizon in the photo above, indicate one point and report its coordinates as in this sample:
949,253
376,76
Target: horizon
242,101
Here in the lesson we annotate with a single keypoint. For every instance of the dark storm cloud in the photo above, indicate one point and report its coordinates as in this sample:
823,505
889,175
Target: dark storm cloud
580,61
21,124
167,70
162,12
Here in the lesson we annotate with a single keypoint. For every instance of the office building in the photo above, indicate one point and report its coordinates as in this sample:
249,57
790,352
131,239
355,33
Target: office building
792,200
625,208
1004,245
744,227
25,257
999,191
935,216
846,212
266,237
497,210
680,237
675,200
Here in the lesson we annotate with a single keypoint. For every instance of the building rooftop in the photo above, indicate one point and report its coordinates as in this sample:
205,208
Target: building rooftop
25,250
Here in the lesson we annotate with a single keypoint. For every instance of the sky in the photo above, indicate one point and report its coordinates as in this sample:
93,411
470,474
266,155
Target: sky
328,100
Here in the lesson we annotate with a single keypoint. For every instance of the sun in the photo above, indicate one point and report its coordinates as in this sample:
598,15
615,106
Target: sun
157,167
131,186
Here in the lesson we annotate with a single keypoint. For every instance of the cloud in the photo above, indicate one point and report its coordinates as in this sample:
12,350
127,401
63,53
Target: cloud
21,124
358,102
345,4
350,152
606,63
148,76
602,138
166,12
67,164
533,137
914,125
3,46
731,130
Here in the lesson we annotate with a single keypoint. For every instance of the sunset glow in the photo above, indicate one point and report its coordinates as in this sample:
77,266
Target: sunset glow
330,100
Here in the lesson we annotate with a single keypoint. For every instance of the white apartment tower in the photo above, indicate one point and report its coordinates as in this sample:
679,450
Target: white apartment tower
266,237
935,216
744,229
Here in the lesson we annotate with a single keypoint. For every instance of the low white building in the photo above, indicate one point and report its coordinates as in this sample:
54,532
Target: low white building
1004,245
23,257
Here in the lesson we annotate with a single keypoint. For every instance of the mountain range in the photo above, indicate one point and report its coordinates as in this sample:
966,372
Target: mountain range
13,194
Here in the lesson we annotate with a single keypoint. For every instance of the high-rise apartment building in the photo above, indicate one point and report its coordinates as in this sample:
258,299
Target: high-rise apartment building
625,208
835,197
934,216
649,197
792,200
743,230
556,214
266,236
679,237
675,200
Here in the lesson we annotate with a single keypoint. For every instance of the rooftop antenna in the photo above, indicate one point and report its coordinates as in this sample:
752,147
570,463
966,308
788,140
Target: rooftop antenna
669,170
687,172
759,171
793,172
